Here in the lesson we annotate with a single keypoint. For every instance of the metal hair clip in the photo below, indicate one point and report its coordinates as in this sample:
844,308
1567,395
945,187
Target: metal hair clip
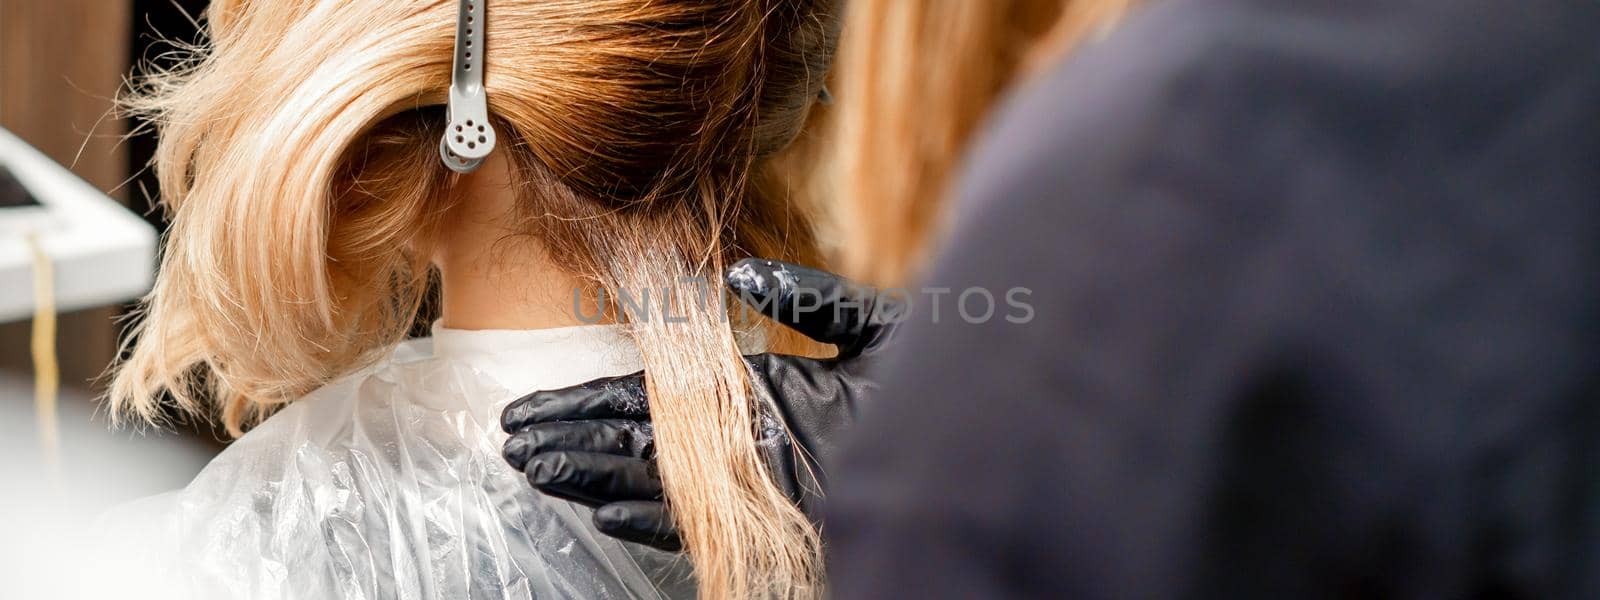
468,137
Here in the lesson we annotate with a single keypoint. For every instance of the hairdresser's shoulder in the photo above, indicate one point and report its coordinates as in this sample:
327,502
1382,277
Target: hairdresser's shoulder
1239,96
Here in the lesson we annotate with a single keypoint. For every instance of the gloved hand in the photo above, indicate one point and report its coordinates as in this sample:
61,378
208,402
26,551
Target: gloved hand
593,443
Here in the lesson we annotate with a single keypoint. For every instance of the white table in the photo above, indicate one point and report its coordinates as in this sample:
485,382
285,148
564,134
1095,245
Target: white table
101,253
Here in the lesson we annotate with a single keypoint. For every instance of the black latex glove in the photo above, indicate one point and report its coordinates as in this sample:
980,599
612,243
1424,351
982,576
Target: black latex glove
593,443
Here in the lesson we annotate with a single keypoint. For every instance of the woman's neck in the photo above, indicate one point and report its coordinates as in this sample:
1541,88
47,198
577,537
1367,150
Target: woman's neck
492,275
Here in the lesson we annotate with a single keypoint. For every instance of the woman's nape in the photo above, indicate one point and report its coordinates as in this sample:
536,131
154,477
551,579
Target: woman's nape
492,273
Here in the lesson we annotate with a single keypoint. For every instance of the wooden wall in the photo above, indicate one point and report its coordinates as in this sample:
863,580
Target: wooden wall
61,64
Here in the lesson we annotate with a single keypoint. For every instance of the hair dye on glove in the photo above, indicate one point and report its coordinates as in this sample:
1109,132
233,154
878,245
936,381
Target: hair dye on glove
592,443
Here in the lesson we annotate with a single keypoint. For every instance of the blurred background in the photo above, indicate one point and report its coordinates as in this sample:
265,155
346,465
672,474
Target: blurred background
74,182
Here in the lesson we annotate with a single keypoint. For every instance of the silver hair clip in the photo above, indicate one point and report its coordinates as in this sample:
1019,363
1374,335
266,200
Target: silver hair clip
468,136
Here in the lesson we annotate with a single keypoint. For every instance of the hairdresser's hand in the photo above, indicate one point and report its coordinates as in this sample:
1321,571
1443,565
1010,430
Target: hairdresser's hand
593,443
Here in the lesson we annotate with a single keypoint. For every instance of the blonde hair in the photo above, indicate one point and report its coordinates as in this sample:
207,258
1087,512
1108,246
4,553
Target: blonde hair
299,169
916,79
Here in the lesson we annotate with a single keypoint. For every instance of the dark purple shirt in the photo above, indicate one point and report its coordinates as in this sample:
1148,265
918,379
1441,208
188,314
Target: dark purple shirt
1316,292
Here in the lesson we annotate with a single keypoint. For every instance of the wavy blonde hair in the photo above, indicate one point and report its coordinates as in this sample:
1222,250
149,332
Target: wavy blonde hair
299,169
916,79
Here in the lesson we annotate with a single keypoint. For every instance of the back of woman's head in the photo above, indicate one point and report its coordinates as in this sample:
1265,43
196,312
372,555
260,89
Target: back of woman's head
299,168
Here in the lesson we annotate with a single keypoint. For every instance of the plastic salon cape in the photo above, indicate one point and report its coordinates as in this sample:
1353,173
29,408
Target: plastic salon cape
388,483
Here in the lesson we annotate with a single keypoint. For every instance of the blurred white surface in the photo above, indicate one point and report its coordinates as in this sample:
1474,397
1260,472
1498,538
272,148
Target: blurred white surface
102,253
43,514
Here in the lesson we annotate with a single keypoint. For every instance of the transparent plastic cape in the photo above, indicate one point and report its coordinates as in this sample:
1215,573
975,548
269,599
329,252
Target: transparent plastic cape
385,484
